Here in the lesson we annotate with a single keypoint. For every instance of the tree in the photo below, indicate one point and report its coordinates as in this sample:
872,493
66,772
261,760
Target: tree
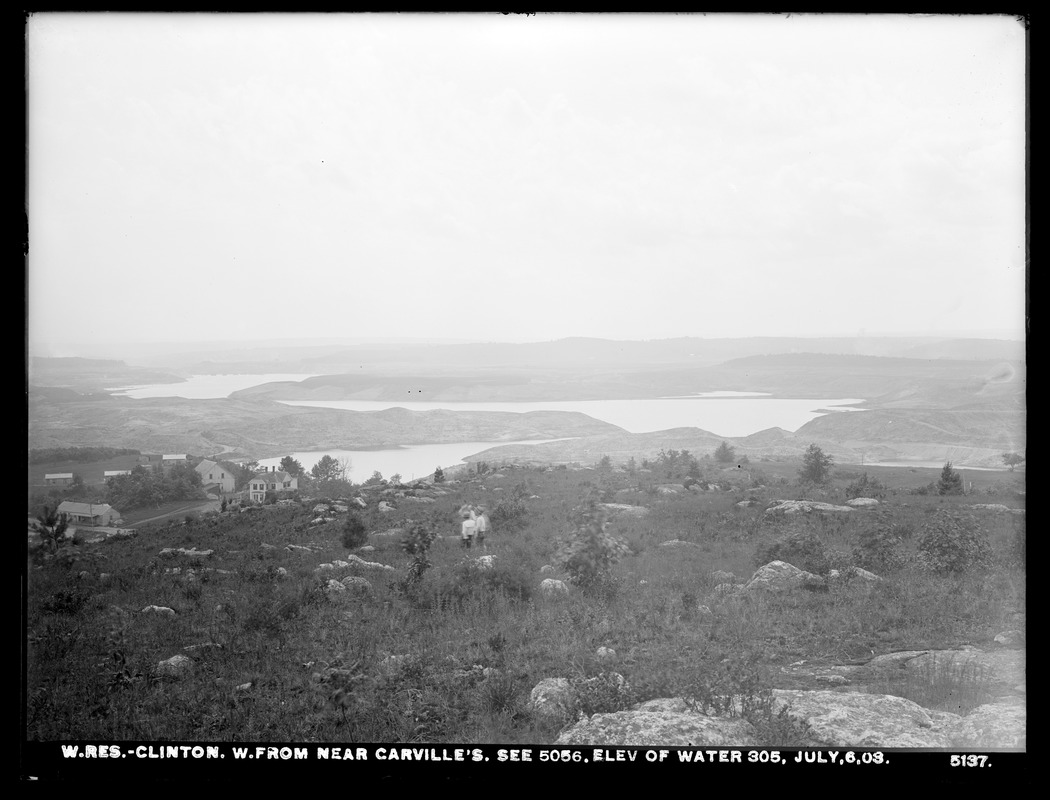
725,454
1012,460
291,466
395,479
326,469
52,528
376,479
439,475
605,464
816,466
950,482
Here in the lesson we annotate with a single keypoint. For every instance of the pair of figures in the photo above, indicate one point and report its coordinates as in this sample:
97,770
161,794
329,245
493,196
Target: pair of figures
475,526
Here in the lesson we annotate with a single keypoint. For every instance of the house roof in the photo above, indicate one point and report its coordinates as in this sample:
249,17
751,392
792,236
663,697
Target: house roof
111,472
58,475
272,477
176,457
69,507
204,466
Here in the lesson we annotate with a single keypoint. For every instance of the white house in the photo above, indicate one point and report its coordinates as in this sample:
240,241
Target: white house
58,478
215,477
273,481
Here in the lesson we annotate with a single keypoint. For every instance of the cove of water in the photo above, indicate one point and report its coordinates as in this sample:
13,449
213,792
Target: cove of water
410,461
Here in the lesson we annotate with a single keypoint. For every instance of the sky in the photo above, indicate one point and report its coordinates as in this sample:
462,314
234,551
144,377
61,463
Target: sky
201,177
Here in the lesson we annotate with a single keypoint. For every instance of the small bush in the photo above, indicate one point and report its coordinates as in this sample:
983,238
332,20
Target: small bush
953,543
866,487
605,693
878,548
469,581
802,549
355,534
589,552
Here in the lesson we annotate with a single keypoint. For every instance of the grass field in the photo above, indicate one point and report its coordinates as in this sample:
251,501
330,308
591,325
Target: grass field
452,657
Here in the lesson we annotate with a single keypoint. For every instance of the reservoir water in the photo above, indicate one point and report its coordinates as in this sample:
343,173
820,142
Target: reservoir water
727,414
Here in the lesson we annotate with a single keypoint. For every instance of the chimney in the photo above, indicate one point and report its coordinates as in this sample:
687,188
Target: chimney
273,468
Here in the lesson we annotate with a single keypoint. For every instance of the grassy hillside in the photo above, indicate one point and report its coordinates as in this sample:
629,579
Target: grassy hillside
452,657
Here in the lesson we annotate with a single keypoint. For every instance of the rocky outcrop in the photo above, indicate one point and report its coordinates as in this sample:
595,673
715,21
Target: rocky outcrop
804,507
779,576
658,727
862,502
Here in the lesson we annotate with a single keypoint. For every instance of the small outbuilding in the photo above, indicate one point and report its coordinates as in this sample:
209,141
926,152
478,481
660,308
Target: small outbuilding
89,513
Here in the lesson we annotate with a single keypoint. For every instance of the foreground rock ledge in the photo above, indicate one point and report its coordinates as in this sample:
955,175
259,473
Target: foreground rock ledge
834,719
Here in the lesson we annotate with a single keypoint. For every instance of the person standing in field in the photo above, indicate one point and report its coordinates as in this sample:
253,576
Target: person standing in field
482,526
467,529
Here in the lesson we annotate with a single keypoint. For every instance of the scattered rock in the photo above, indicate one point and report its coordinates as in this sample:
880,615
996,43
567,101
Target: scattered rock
175,667
357,561
720,576
623,508
606,655
181,551
385,506
704,613
547,569
164,610
678,543
281,572
779,576
862,502
991,507
366,549
485,562
357,584
553,699
1004,639
553,588
341,563
334,587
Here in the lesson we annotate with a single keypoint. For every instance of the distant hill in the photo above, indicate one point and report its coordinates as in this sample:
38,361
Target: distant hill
92,375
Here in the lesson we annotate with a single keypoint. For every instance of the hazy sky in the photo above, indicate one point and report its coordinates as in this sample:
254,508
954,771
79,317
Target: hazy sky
221,176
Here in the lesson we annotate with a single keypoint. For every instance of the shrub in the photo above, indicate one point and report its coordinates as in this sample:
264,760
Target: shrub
510,513
416,543
878,548
953,543
866,487
589,552
355,534
605,693
802,549
439,475
469,581
950,482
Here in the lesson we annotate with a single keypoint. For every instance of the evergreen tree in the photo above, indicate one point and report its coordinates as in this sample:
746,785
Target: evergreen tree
950,482
816,466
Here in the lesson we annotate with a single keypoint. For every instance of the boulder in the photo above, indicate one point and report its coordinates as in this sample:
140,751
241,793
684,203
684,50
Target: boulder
162,610
803,507
659,728
485,562
553,588
606,655
175,667
991,725
553,700
1004,639
333,588
779,576
547,569
862,502
357,584
848,719
357,561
